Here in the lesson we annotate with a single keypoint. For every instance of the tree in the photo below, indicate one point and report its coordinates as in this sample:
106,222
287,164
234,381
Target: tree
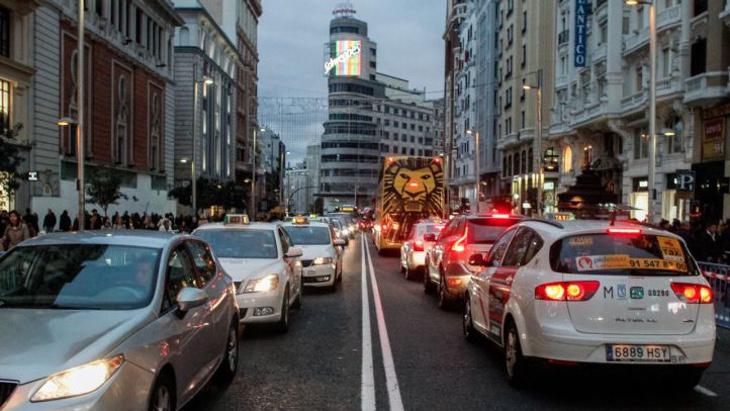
103,188
10,159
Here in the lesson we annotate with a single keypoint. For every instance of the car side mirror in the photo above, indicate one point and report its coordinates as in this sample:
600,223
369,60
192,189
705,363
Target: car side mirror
339,242
294,252
430,237
477,260
189,298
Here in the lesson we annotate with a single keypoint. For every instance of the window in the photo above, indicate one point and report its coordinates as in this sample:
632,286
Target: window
203,261
499,249
179,275
641,144
524,55
666,62
524,21
522,119
5,88
639,79
526,244
603,32
567,159
4,32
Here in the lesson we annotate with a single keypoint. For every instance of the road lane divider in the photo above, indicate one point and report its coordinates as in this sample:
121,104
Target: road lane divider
391,378
367,387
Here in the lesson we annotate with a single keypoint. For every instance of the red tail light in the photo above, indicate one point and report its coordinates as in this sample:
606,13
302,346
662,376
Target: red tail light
418,245
567,291
458,245
628,232
693,293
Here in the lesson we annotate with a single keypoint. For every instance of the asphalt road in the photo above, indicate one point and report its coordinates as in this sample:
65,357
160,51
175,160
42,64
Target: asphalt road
323,362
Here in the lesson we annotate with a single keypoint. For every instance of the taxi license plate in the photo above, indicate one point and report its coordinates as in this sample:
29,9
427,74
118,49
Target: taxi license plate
637,353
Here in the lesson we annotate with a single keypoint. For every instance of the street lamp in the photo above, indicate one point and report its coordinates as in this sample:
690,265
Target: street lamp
652,102
475,134
538,137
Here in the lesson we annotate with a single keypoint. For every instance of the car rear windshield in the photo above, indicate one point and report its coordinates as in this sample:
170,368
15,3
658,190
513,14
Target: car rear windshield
622,255
486,230
246,243
423,229
78,277
309,235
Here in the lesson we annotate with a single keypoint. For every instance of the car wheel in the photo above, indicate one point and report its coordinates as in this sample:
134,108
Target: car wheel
229,365
470,333
163,394
283,325
298,302
514,362
687,378
444,300
427,284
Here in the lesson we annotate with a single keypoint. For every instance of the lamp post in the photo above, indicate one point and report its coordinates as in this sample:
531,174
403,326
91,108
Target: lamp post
206,81
652,103
475,134
538,138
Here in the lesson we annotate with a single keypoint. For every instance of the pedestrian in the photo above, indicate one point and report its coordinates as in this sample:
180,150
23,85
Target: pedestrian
165,226
31,222
95,221
15,232
3,220
708,244
64,222
49,221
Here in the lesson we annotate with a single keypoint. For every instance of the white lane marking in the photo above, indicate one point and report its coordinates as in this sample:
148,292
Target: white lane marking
367,388
391,379
704,391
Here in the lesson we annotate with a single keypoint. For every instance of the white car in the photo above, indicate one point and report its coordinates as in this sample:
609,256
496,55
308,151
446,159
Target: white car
263,264
589,292
322,255
413,251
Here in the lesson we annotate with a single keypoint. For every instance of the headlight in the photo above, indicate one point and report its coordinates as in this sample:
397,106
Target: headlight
263,284
79,380
323,260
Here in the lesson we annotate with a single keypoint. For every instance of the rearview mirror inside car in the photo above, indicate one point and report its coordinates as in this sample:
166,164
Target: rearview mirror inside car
478,260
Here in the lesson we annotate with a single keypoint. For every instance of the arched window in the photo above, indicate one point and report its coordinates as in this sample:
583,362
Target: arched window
567,159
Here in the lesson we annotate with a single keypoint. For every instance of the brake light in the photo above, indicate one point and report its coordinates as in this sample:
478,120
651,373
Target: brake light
567,291
502,216
693,293
629,232
458,245
418,245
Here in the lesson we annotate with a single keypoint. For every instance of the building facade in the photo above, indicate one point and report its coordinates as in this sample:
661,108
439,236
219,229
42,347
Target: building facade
129,100
204,55
270,176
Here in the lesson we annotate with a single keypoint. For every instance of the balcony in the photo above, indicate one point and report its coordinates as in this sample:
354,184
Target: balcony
599,53
561,81
665,19
634,101
706,88
725,13
458,12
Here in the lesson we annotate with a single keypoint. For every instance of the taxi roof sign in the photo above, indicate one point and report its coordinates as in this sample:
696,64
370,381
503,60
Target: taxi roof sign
300,220
236,219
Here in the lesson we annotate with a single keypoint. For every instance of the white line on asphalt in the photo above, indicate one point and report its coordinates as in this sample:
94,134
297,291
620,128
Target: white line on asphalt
704,391
367,388
391,379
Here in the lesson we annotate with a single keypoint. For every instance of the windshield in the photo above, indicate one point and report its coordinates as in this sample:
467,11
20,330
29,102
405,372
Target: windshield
87,277
423,229
486,231
245,243
621,255
309,235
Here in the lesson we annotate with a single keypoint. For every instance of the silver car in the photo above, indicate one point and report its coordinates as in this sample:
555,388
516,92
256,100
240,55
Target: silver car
113,321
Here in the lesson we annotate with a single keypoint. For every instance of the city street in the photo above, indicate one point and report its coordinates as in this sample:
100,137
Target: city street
423,364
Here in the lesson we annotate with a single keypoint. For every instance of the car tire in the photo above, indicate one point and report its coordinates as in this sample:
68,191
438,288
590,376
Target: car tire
687,379
163,394
282,325
444,299
470,333
428,287
514,361
298,302
228,367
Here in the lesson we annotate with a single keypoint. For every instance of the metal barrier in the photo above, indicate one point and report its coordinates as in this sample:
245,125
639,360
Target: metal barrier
718,275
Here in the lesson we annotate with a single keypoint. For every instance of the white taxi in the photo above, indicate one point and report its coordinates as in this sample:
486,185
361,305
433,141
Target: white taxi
413,251
322,255
263,264
591,292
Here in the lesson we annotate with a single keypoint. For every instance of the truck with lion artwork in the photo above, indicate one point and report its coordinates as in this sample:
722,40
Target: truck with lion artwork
411,189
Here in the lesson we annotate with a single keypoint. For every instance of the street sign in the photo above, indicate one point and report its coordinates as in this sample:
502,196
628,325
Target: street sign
581,32
32,176
685,180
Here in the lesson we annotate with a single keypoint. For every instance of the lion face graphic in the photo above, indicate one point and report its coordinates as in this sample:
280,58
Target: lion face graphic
414,186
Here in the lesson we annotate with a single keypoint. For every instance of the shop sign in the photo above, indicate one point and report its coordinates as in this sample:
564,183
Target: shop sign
640,184
685,180
581,32
713,140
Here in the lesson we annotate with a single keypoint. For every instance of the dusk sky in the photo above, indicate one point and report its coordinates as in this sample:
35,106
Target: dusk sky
292,34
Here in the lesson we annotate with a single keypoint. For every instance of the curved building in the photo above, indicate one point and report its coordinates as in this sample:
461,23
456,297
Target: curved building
350,155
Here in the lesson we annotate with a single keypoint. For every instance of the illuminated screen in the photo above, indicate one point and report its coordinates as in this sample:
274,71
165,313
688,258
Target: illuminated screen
345,58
